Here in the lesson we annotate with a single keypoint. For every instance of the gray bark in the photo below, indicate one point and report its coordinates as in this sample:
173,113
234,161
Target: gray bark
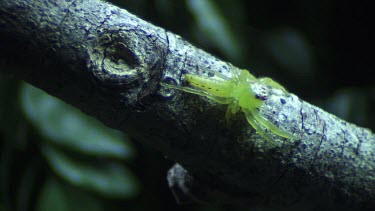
109,63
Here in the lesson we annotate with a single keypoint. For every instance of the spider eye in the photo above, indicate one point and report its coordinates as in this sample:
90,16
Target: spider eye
261,97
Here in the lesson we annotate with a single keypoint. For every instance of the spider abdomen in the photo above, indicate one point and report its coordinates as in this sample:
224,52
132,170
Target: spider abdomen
218,88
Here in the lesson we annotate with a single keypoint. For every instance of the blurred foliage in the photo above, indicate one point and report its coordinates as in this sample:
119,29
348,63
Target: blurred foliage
66,126
62,125
212,27
54,157
61,197
78,149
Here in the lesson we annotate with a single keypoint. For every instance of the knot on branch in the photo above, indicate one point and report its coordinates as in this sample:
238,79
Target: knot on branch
114,59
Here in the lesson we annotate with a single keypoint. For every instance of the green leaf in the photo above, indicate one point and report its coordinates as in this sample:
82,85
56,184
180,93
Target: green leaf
351,104
66,126
109,179
215,27
12,124
291,50
57,197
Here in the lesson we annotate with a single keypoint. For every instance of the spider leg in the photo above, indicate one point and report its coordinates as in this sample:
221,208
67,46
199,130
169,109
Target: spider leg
256,125
219,100
186,89
237,74
272,83
244,76
270,126
231,110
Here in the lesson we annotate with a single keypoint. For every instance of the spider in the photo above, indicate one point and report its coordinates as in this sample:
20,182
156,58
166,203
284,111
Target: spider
241,91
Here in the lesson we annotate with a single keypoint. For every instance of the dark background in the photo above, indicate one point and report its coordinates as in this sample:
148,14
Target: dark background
320,50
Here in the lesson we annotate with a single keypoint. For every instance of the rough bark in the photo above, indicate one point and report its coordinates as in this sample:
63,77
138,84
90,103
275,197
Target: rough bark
109,63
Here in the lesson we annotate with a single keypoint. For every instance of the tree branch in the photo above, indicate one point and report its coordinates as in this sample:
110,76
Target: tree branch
109,63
